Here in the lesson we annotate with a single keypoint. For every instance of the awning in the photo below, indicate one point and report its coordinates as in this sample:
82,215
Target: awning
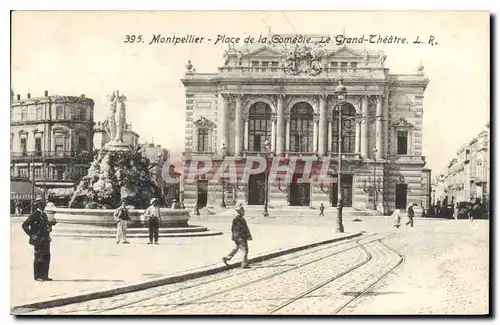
22,190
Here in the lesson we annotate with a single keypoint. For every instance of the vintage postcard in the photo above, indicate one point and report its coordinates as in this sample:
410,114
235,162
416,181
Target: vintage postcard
250,163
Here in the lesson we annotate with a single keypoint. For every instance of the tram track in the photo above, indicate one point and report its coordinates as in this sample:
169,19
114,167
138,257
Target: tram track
369,257
280,262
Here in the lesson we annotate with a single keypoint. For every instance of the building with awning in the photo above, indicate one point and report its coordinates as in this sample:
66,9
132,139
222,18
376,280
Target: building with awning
23,190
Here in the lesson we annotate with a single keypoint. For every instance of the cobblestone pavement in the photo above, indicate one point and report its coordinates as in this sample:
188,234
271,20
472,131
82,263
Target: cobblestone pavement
444,270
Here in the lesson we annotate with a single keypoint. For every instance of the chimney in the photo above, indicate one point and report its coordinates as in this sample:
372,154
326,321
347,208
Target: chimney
29,95
18,97
46,93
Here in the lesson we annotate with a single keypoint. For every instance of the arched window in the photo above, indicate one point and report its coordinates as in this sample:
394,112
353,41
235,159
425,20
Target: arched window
348,129
259,126
301,128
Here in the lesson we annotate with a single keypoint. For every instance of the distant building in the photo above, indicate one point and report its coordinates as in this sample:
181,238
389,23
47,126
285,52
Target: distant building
161,156
51,140
468,174
426,188
101,137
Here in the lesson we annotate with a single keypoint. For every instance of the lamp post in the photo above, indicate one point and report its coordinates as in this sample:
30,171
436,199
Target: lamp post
32,172
267,147
223,152
375,189
341,93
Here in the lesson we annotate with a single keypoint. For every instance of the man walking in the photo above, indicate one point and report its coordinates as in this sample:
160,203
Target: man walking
38,228
321,210
411,215
121,218
240,235
154,220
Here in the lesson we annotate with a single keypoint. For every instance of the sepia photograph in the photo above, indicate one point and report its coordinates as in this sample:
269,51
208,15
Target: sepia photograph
250,163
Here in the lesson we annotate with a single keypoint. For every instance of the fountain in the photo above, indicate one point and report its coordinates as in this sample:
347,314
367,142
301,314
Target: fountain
119,172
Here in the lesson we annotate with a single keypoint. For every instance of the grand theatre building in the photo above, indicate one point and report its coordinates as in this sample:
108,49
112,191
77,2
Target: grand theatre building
286,98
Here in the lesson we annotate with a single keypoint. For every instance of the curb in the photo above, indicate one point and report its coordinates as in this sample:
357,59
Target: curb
187,275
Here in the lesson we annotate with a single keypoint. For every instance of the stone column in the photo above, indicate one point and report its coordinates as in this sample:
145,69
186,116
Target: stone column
245,141
315,135
379,144
322,125
273,135
364,127
237,128
329,135
358,136
280,132
287,135
223,122
386,124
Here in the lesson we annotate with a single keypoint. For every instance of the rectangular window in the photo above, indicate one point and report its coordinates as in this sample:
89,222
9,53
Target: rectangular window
203,140
59,112
24,149
22,171
23,115
402,142
354,65
37,171
343,66
59,173
255,64
82,112
59,144
39,113
82,143
38,146
274,66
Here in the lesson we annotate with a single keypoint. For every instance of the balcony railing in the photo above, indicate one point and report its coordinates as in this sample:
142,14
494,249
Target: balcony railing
51,178
51,154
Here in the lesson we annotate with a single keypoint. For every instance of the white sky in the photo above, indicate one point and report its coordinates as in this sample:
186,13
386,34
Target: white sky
71,53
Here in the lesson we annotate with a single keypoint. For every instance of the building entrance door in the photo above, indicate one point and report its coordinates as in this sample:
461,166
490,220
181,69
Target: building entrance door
300,193
202,194
401,196
257,189
346,191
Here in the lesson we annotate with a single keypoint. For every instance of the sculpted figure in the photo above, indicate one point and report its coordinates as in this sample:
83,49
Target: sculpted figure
120,118
110,124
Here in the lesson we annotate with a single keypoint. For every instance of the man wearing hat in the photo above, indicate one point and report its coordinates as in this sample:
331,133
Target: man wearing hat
121,217
38,228
240,235
153,218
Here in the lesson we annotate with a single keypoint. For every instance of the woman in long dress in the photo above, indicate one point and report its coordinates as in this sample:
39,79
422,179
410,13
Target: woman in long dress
396,217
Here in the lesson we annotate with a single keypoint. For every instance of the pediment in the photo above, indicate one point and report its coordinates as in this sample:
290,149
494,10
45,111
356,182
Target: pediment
403,123
345,52
204,122
265,51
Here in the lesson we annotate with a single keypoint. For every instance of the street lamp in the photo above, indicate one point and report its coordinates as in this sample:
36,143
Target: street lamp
267,147
375,190
341,93
223,152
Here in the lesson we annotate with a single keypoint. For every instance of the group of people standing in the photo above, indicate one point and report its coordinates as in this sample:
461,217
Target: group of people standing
152,217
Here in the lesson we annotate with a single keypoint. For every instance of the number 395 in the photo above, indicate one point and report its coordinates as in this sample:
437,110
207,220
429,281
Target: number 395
133,39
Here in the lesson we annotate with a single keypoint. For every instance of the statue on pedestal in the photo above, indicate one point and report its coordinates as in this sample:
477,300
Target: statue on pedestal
115,123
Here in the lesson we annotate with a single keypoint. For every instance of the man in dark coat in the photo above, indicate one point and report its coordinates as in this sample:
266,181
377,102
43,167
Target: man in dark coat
38,228
240,235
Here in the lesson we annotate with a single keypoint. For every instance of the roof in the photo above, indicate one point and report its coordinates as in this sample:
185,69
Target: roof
23,190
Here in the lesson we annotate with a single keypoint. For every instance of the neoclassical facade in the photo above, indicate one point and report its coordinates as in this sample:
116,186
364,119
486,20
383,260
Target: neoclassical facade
288,98
51,140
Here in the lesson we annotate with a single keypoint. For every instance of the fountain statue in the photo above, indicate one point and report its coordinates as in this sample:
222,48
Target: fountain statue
116,122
